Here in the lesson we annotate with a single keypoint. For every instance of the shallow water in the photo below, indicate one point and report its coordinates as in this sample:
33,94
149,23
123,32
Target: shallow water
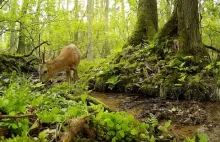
188,117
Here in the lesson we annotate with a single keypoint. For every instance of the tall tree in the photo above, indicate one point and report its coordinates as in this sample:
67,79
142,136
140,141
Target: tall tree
90,5
184,26
147,22
106,50
188,26
76,16
22,36
12,43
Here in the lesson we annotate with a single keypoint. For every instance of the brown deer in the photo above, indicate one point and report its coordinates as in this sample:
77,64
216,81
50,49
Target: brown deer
68,61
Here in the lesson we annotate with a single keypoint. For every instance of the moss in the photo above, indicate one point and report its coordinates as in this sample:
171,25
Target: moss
132,67
176,76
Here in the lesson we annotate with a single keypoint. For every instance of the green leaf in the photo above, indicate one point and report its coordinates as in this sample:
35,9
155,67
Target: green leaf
84,97
22,108
167,124
113,80
218,63
37,101
134,132
109,123
183,77
55,110
152,139
181,65
202,137
118,127
178,85
114,139
12,113
197,78
5,102
208,67
14,126
42,136
111,133
121,133
125,127
144,136
188,57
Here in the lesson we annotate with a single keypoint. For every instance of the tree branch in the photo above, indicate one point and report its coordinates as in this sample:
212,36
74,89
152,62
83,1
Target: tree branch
212,48
5,2
21,116
27,55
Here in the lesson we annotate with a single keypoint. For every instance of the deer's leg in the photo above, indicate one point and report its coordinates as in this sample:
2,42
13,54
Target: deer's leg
68,76
75,76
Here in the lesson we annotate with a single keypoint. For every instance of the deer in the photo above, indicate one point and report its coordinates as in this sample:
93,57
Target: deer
68,61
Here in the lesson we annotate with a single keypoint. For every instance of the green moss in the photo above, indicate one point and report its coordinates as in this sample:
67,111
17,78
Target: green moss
177,76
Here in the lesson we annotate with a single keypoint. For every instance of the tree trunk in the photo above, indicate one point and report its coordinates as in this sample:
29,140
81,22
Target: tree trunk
188,27
38,26
147,23
21,38
184,26
13,37
13,34
76,15
106,50
90,18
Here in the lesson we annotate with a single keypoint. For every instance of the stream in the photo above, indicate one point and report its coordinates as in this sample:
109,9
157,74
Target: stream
188,117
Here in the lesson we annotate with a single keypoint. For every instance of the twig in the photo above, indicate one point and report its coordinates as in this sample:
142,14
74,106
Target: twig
21,116
27,55
213,48
5,2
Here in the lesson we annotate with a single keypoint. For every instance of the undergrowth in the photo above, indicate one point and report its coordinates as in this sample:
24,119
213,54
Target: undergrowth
50,110
154,71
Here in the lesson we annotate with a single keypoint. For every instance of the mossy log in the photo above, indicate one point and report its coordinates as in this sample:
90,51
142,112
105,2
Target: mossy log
89,99
20,63
9,63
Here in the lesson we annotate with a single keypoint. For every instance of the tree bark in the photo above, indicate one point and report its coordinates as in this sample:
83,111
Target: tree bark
90,18
21,38
106,50
188,27
76,16
147,23
184,26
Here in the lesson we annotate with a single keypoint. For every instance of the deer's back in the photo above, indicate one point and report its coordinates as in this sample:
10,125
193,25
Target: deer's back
70,55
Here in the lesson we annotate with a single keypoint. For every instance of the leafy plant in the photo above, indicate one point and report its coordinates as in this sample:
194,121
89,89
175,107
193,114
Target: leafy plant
119,126
112,82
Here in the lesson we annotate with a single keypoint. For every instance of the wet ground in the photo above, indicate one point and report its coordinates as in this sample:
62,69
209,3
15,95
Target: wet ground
188,117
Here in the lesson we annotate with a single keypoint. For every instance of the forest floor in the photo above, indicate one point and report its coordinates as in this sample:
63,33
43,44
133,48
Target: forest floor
188,117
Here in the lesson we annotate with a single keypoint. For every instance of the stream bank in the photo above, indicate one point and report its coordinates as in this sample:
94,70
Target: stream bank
188,117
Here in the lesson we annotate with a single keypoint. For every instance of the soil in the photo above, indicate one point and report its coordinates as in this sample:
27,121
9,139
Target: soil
188,117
